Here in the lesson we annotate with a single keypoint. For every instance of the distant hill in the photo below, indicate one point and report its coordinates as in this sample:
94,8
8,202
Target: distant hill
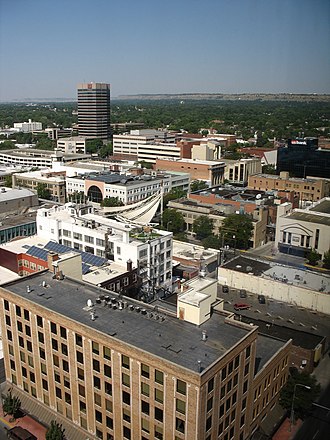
230,97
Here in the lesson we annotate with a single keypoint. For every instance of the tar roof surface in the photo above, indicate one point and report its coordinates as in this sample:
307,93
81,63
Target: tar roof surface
267,347
323,206
299,338
172,339
247,265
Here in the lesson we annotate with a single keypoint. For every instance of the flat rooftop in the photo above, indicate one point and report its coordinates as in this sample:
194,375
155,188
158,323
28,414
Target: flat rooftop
291,179
299,338
16,220
7,194
267,347
190,251
304,278
323,206
167,337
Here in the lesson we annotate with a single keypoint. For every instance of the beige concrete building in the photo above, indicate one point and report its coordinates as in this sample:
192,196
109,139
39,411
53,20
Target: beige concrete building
310,189
238,171
300,230
54,181
127,370
16,201
72,145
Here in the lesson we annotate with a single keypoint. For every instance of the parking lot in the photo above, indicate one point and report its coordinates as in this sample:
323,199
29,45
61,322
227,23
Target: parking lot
277,312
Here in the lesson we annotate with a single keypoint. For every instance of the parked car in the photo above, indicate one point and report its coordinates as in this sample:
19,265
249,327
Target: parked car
225,289
241,306
242,293
262,299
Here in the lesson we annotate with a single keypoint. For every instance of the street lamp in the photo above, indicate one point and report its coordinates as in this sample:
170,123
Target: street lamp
292,404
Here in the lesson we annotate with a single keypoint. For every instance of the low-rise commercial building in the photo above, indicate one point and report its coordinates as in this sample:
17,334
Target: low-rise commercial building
122,369
127,188
300,230
238,171
310,189
53,181
210,171
17,226
16,201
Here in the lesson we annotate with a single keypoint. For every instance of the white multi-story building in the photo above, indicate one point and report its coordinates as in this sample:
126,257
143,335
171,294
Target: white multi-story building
38,158
28,127
238,171
145,145
79,227
72,145
128,189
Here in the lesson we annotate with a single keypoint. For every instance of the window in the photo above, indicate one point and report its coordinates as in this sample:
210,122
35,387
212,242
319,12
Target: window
98,416
96,365
53,328
97,382
63,332
64,349
125,361
210,385
145,389
159,395
145,425
40,337
159,415
81,374
145,370
6,305
106,353
26,315
19,326
95,347
107,370
109,422
80,357
180,406
145,407
126,398
54,344
179,425
208,423
181,386
127,433
159,376
65,365
39,321
209,404
108,388
125,379
79,340
82,406
81,390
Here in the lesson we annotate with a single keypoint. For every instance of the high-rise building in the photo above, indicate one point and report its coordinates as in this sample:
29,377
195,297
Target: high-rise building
94,110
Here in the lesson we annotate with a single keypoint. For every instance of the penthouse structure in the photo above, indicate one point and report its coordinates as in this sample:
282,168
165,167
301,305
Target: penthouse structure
112,368
94,110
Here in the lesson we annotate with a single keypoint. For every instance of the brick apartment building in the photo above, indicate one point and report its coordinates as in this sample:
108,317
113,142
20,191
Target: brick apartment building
116,368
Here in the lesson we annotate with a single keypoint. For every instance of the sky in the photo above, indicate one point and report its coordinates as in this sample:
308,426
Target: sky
163,46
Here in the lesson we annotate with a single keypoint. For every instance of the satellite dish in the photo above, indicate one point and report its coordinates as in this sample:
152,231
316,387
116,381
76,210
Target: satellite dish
258,196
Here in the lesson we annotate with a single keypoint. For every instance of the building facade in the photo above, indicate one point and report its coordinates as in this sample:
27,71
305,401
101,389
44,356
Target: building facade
72,145
38,158
66,356
94,110
210,171
28,127
300,230
78,227
238,171
309,189
302,157
53,181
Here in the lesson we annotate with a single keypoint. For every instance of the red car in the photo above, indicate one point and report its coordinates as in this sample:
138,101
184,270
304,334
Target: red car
241,306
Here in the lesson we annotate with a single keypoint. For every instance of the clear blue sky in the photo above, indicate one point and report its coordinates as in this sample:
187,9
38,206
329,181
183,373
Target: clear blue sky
164,46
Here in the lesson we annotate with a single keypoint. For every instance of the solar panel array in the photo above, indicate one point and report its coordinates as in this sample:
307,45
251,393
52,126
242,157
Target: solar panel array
37,252
85,268
87,257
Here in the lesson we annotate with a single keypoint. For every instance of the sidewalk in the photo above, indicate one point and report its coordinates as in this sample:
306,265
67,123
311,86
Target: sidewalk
25,422
285,432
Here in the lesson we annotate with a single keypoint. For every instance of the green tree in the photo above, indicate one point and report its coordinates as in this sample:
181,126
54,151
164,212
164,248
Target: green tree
144,164
9,181
181,236
7,145
326,259
269,169
11,404
44,143
236,230
93,145
111,201
55,431
77,197
203,227
173,195
304,397
197,185
313,257
173,221
212,242
43,192
106,150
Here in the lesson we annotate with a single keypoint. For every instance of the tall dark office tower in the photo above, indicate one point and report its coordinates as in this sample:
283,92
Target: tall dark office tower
94,110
